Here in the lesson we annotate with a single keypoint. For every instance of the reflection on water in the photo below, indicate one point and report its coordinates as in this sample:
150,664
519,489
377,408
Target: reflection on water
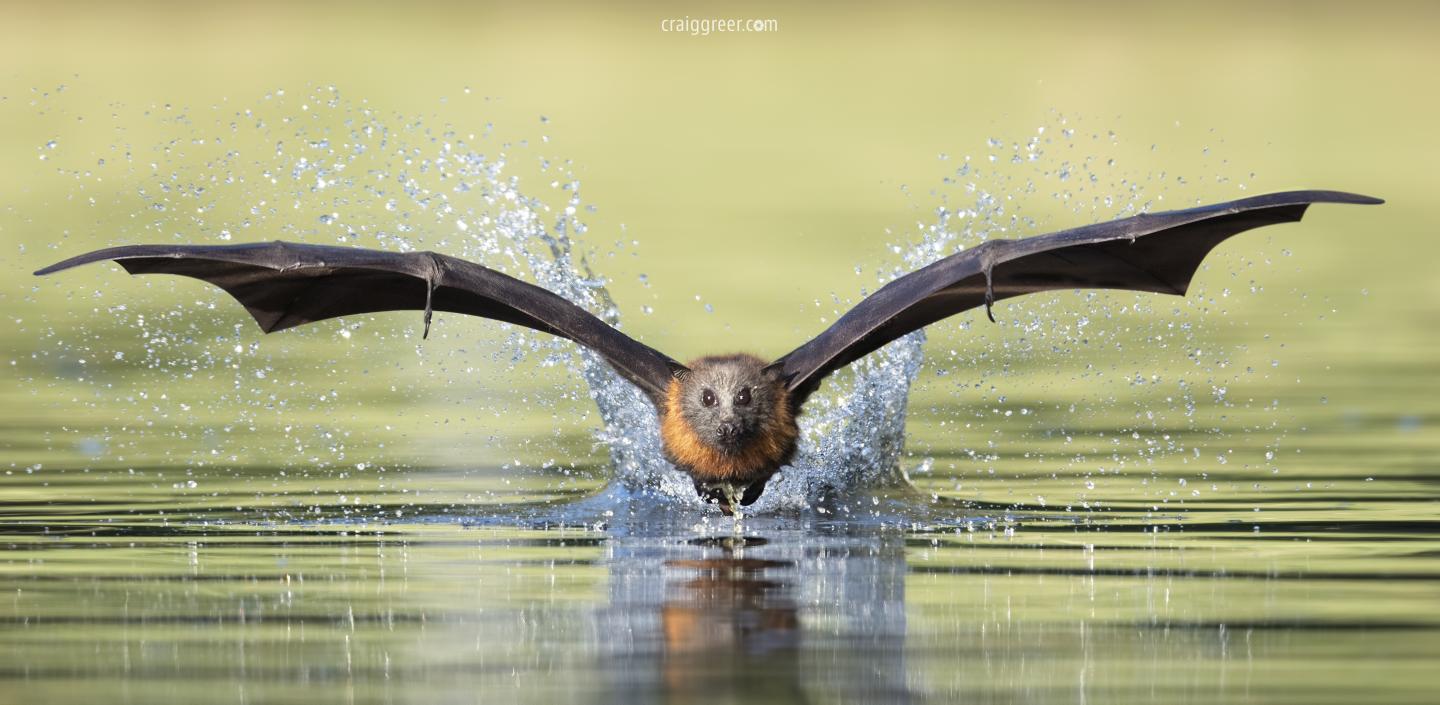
728,628
754,619
724,625
784,609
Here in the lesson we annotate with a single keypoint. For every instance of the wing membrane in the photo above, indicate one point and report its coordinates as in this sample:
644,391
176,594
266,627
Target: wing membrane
1157,252
284,285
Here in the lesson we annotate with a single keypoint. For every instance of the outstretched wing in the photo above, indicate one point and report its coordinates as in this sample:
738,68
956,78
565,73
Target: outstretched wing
1156,252
284,285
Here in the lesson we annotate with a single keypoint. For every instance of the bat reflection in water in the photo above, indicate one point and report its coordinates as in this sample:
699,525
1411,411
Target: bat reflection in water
732,610
776,618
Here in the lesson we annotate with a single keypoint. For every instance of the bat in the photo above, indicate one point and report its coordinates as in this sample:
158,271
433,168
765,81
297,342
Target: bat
729,421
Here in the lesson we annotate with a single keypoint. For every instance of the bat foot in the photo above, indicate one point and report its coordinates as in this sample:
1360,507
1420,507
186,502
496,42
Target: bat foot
731,507
726,495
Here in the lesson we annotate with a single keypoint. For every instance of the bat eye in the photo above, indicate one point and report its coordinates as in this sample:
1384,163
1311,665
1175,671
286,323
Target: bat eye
707,398
743,398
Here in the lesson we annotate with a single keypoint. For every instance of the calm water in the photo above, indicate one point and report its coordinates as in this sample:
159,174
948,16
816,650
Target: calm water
1114,499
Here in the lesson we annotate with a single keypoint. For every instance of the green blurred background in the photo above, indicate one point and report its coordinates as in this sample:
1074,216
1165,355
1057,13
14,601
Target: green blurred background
756,171
1262,454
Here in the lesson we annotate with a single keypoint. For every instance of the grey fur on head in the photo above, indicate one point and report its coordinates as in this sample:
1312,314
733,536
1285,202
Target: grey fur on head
744,398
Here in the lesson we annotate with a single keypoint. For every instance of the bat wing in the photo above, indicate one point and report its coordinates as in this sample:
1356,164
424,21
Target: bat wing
284,285
1156,252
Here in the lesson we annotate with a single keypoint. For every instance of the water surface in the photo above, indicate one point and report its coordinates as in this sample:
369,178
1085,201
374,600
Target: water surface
114,597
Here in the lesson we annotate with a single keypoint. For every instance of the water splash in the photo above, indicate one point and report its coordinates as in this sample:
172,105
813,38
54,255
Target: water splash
852,436
851,440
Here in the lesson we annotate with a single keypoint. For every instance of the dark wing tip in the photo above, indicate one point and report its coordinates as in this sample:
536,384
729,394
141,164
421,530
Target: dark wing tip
258,253
1343,197
111,253
1283,198
76,261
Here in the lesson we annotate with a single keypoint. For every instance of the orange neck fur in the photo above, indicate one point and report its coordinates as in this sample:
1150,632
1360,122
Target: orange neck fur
761,457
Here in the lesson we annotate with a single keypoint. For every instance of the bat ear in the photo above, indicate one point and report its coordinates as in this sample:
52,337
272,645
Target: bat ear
678,371
774,371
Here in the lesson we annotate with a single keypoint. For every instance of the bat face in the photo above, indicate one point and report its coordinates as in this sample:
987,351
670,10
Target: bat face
727,401
727,421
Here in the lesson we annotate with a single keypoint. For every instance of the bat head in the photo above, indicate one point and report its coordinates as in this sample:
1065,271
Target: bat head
730,401
728,423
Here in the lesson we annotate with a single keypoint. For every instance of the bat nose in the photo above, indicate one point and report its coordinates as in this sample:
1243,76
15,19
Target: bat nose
728,430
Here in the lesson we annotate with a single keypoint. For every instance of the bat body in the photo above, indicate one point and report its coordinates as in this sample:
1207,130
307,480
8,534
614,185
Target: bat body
729,420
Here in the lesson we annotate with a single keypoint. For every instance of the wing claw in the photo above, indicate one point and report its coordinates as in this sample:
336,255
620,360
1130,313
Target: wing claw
989,294
429,309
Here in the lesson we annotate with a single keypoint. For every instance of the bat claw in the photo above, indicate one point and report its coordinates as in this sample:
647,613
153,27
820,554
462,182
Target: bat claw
429,296
989,296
